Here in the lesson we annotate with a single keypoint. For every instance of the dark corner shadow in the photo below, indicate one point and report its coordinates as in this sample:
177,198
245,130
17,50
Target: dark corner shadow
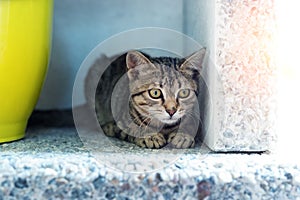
51,118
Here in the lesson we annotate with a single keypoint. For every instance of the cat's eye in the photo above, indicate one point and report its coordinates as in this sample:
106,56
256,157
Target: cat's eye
184,93
155,93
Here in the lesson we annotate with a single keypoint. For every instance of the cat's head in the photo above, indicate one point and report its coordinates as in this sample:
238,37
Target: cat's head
164,88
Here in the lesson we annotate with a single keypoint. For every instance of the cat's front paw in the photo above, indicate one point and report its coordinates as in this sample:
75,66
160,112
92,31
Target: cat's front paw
155,141
181,140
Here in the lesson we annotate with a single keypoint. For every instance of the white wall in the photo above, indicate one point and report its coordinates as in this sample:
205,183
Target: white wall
199,21
80,25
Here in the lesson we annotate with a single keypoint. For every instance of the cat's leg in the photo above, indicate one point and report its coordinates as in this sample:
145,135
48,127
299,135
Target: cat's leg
144,136
151,141
184,137
111,129
181,140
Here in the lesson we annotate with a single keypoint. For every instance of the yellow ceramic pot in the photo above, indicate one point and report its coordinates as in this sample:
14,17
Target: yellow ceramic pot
25,33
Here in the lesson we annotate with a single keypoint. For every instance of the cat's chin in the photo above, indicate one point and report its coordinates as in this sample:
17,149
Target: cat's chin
170,121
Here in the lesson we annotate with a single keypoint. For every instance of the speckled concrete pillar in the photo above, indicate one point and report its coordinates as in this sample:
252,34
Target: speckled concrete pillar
243,100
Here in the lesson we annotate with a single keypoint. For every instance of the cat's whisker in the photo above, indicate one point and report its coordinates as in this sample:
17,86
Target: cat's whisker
198,120
142,123
196,112
147,126
194,118
197,116
138,131
137,120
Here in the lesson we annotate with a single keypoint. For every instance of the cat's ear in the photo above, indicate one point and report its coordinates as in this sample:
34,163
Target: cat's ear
135,58
194,61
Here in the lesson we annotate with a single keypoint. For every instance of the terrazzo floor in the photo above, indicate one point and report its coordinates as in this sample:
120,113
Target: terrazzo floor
53,163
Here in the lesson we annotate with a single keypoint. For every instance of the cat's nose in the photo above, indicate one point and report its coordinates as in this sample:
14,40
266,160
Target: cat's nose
171,111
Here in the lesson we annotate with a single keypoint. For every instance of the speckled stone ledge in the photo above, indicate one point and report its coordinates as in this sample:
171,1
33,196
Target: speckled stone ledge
52,163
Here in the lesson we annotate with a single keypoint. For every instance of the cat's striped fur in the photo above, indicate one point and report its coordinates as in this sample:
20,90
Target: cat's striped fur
149,101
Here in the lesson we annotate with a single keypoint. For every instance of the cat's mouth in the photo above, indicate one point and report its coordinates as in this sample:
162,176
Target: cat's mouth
167,119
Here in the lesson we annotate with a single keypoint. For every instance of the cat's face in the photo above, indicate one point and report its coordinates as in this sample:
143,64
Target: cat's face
163,88
166,97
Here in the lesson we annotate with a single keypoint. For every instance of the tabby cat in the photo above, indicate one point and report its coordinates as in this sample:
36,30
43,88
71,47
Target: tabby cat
151,101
